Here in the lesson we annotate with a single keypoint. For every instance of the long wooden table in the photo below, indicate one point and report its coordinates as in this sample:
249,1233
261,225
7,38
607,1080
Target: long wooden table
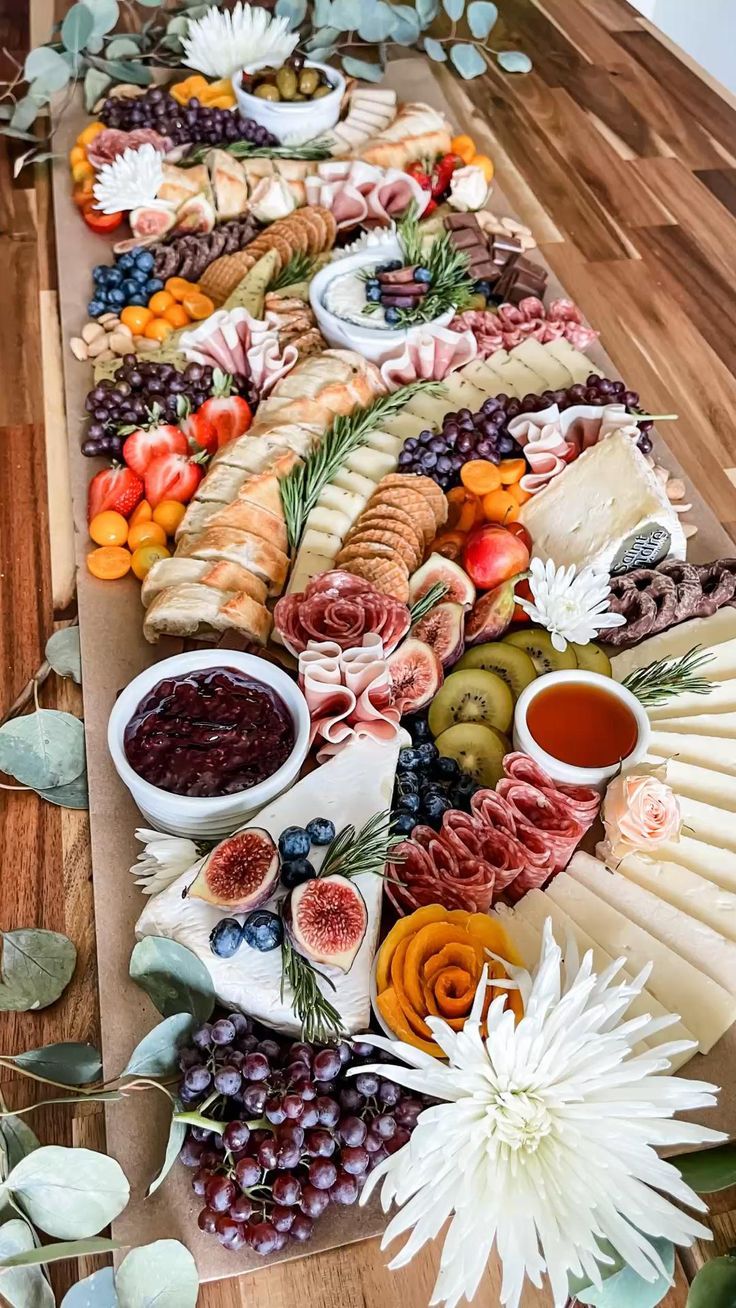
620,159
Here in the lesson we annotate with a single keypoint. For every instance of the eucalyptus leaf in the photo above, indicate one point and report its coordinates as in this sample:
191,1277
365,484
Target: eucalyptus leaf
177,26
708,1170
626,1289
63,652
157,1053
162,1274
121,47
47,65
22,1287
406,29
320,54
714,1286
89,1097
468,60
75,793
95,1291
427,11
95,86
514,61
345,14
36,968
359,68
294,10
376,22
17,135
69,1193
120,70
19,1139
172,42
77,28
24,115
105,15
454,9
172,977
481,16
153,4
70,1062
55,1253
6,112
39,92
324,38
435,50
42,749
322,16
177,1135
95,44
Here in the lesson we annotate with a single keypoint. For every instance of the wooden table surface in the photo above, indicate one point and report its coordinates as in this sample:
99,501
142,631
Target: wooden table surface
623,161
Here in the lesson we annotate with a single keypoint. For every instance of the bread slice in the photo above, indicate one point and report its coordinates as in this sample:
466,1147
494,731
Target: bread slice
199,612
240,514
242,547
220,576
221,483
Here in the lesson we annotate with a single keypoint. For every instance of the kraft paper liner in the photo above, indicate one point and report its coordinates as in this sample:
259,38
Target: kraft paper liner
113,652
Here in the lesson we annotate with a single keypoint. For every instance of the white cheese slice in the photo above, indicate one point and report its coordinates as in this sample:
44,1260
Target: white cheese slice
376,95
497,358
705,1007
607,511
431,408
721,699
537,357
519,375
330,521
702,783
711,862
372,464
355,482
350,132
722,725
685,890
522,934
343,501
578,364
536,907
481,374
697,943
386,443
704,751
308,564
350,788
403,425
462,393
321,542
718,630
370,119
715,826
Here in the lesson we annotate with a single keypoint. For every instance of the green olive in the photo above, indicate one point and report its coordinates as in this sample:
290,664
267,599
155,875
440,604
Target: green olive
715,1284
267,91
308,81
287,83
321,90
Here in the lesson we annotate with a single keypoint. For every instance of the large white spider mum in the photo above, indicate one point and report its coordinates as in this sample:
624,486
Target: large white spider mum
571,607
131,181
545,1141
162,860
224,41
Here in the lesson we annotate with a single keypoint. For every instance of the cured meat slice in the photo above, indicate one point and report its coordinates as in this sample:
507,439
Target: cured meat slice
493,810
341,607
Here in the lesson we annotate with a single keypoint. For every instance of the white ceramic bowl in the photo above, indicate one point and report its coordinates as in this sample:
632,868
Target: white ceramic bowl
310,118
375,344
187,815
598,778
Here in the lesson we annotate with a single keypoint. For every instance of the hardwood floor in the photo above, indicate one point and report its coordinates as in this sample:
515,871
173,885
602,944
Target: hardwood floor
623,162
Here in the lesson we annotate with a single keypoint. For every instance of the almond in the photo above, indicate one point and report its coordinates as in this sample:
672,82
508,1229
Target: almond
78,348
92,331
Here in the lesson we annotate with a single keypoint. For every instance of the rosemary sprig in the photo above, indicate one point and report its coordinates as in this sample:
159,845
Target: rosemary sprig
320,1021
301,489
659,681
427,602
451,286
247,150
299,269
352,854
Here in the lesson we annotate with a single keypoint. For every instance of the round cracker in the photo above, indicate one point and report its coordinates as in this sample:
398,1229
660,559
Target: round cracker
413,503
433,493
295,233
376,535
329,221
364,550
386,575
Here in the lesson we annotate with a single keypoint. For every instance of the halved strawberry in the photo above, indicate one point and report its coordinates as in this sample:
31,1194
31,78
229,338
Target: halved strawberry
117,488
146,443
173,477
200,432
230,415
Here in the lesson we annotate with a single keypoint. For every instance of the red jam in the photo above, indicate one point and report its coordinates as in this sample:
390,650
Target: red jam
214,732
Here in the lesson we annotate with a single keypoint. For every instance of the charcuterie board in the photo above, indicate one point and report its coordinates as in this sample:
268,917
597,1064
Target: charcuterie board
115,652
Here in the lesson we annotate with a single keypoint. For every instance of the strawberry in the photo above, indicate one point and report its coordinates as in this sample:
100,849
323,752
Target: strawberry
200,432
118,488
146,443
173,477
442,174
420,172
230,415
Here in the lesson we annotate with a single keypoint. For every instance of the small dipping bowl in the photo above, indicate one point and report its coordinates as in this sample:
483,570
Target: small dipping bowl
213,816
310,118
558,769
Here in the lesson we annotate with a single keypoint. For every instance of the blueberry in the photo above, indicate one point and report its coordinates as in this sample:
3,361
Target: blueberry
435,806
372,282
447,768
373,294
140,297
408,760
226,937
408,783
405,823
95,308
129,287
125,262
419,728
408,803
321,831
483,288
422,275
427,752
294,842
116,296
145,260
139,275
263,930
392,315
296,870
114,277
154,284
431,788
464,789
99,274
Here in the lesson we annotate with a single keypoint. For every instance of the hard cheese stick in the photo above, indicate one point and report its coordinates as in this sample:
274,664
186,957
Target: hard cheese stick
709,861
713,825
703,751
700,724
684,890
721,699
697,943
536,906
704,1006
717,630
702,783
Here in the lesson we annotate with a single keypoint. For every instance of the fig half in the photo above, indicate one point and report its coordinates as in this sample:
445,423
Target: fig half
241,872
327,920
416,676
442,629
491,615
460,589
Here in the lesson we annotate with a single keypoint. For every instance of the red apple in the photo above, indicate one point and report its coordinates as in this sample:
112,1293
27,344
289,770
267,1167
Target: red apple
492,555
518,529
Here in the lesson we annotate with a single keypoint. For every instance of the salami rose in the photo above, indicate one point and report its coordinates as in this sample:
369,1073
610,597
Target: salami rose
340,607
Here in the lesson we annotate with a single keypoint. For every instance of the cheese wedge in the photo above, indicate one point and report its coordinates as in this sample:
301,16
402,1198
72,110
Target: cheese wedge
536,907
431,408
522,934
709,861
716,752
320,542
702,783
718,630
715,826
721,699
685,890
704,1006
330,521
693,940
537,357
578,364
343,501
373,464
309,563
355,482
722,725
404,425
462,393
483,375
387,444
522,378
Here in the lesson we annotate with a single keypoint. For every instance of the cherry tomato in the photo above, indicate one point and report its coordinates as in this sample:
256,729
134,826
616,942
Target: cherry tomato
145,556
108,528
101,222
109,562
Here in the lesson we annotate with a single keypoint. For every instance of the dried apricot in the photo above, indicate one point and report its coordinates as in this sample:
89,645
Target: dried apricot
157,329
519,494
500,506
480,476
198,306
464,146
471,514
168,514
511,470
77,154
450,544
160,301
108,528
109,562
82,170
90,132
146,533
136,316
177,315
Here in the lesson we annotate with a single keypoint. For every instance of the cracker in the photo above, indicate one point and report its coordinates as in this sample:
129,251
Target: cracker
386,575
363,550
413,503
297,234
375,535
433,493
328,218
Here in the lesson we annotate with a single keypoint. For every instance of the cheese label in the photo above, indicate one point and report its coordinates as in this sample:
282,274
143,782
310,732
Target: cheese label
644,548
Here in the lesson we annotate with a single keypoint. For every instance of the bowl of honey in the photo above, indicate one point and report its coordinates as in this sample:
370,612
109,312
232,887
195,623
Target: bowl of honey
581,727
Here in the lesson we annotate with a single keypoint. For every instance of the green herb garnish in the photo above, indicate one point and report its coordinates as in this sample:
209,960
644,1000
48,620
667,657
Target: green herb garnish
658,682
247,150
427,602
299,269
451,286
320,1021
301,489
352,854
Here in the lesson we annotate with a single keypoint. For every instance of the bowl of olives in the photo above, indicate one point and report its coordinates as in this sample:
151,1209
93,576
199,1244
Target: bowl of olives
300,97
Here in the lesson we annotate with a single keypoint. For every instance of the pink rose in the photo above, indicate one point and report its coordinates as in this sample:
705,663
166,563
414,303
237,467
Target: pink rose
639,812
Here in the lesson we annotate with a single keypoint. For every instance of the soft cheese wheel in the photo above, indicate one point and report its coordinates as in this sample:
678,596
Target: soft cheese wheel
704,1006
697,943
718,629
714,752
685,890
709,861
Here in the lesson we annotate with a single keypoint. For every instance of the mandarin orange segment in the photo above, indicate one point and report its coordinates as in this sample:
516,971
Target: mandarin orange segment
198,306
160,301
137,317
178,287
177,315
480,476
511,470
157,329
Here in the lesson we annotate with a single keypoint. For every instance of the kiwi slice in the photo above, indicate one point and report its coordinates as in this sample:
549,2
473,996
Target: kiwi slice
538,645
476,748
472,696
513,665
591,658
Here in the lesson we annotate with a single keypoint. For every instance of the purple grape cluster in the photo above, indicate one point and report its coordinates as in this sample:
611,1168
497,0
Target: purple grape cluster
130,395
192,122
300,1135
484,435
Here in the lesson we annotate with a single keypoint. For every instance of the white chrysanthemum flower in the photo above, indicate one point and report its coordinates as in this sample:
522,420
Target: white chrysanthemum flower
131,181
224,41
545,1141
571,607
163,859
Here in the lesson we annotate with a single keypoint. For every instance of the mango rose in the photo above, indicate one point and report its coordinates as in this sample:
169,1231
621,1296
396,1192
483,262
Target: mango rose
431,964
